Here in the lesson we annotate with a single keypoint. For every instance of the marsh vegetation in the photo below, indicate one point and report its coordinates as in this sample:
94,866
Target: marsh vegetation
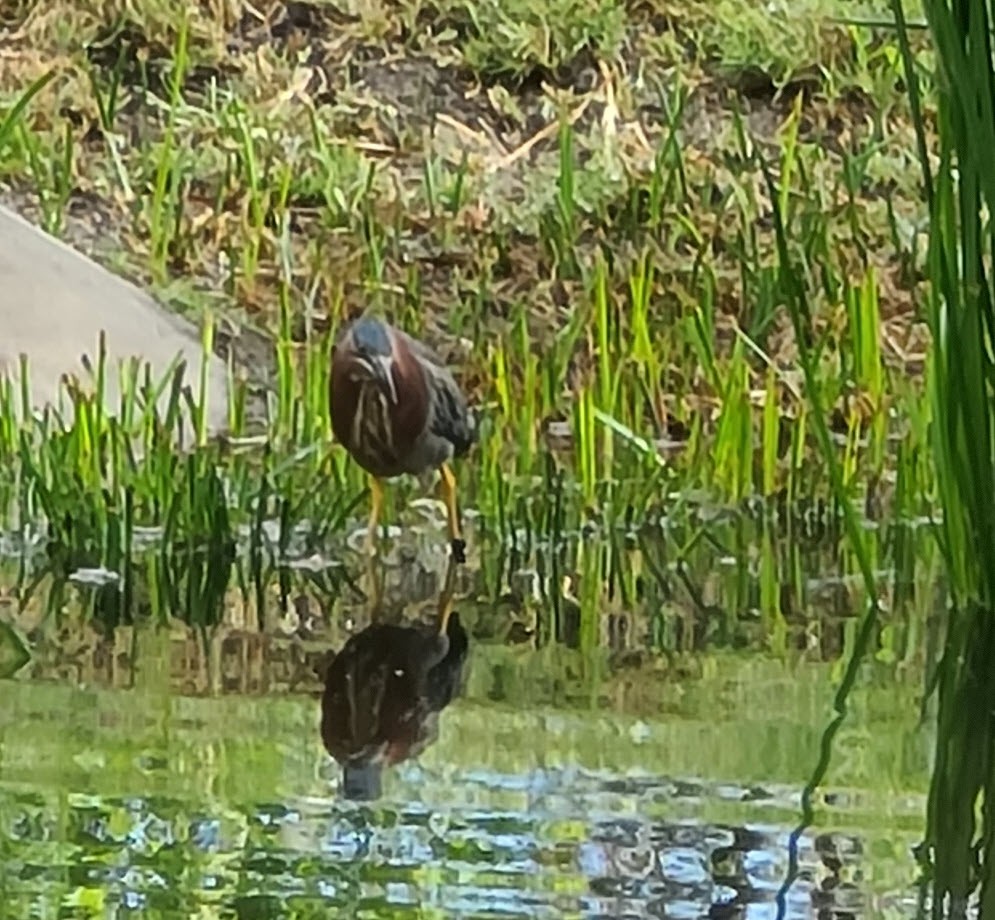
686,260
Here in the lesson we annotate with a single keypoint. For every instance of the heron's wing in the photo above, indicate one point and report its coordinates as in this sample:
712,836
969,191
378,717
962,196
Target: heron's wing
451,418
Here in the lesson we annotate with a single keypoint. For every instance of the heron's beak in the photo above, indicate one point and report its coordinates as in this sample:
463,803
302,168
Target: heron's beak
380,371
382,367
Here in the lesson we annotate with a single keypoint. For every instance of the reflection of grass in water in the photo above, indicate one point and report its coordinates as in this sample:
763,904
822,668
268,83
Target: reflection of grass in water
749,722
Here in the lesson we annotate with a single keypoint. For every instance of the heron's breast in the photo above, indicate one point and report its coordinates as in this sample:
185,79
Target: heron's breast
371,436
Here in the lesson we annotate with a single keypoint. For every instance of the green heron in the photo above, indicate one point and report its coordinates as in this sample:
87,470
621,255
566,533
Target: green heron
397,409
384,691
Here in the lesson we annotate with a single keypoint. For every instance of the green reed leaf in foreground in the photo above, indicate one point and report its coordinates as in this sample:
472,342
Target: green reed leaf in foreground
794,285
962,402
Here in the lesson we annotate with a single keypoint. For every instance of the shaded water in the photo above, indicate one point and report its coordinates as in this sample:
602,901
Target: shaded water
641,753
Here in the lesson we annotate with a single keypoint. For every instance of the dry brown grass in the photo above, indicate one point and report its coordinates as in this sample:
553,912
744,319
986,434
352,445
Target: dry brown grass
391,91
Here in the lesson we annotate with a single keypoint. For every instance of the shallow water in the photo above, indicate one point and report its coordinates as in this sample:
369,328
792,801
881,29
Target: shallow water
180,773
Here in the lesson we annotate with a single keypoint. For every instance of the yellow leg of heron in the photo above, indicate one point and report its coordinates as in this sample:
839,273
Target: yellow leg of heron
376,507
448,488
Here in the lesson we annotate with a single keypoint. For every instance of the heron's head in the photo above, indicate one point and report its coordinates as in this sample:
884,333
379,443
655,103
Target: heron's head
371,356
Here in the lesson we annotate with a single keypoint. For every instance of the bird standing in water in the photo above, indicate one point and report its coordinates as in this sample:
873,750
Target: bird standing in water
397,409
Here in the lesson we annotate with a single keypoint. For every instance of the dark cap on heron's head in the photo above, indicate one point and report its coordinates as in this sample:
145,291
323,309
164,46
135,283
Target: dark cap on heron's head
370,336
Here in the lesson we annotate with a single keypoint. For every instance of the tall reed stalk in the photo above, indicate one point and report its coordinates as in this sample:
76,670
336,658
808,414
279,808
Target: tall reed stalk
960,842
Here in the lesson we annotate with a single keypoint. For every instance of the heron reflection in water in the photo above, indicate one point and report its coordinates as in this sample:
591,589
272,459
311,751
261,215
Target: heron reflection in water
384,691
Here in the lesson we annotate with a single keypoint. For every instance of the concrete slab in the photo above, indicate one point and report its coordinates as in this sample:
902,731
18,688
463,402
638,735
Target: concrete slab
54,304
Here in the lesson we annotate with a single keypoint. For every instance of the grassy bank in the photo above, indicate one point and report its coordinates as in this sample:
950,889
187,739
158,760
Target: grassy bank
567,201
